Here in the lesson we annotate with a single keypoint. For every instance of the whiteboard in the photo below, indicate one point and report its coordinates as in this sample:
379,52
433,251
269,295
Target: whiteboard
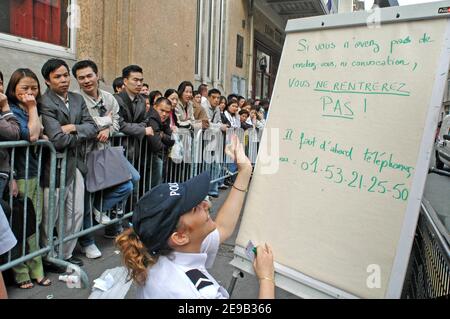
344,157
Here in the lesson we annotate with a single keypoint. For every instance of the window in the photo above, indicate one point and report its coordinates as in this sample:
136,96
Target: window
243,88
235,84
239,85
448,90
240,52
40,20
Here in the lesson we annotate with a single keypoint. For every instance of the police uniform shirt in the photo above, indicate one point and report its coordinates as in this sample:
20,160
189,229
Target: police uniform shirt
184,276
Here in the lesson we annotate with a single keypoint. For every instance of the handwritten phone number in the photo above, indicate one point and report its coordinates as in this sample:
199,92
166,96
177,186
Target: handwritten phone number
354,180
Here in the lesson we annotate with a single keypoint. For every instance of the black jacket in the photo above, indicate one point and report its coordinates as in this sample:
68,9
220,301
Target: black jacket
133,117
225,120
162,140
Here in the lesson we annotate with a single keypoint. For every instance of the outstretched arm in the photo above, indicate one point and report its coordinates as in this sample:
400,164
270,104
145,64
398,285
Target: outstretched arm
228,215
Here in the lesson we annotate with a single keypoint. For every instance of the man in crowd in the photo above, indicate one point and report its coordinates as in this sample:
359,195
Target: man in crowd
132,103
104,109
134,122
118,85
211,107
161,141
68,125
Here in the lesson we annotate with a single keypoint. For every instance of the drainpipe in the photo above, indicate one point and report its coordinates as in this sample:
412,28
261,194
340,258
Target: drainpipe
252,46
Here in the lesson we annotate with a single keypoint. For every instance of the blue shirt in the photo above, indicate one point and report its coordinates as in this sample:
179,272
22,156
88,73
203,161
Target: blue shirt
21,153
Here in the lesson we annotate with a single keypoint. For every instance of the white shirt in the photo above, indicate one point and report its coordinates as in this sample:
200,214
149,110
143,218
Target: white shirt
170,277
214,117
234,121
111,106
65,101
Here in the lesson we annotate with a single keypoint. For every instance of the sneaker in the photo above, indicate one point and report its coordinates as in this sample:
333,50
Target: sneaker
118,212
229,182
101,218
74,260
223,187
91,251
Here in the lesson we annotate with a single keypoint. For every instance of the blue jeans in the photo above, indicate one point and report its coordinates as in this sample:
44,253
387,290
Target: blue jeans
111,197
157,170
215,174
232,167
135,177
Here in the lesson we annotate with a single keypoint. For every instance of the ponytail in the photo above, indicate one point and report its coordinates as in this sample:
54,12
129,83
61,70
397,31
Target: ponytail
135,256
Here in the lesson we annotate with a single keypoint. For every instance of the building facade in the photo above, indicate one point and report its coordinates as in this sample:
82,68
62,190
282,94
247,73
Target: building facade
234,45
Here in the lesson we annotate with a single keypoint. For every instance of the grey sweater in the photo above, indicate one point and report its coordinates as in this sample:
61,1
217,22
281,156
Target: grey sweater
9,131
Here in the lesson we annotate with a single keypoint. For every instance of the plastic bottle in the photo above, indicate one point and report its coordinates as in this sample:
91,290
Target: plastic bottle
69,279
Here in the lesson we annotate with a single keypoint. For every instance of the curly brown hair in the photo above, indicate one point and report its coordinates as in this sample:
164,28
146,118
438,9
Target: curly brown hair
135,256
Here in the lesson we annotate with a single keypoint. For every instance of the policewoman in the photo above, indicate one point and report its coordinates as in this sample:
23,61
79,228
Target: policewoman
174,240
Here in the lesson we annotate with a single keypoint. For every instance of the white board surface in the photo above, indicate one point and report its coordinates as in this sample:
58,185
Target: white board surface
351,106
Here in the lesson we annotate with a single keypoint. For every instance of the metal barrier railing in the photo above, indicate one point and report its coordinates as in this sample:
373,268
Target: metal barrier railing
428,274
40,149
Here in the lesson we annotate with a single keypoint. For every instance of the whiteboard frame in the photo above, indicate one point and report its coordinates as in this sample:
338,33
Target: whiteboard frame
410,13
307,287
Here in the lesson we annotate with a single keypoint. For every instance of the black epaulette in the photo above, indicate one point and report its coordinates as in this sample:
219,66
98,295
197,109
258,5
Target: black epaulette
199,279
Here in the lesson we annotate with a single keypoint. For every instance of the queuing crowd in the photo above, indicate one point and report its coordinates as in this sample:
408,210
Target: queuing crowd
92,117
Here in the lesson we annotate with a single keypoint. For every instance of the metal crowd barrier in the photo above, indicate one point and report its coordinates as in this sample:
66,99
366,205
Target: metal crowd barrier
23,255
428,274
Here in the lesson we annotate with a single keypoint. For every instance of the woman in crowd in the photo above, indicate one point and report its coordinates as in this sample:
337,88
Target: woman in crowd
23,92
244,116
230,116
185,108
170,168
222,104
199,112
172,96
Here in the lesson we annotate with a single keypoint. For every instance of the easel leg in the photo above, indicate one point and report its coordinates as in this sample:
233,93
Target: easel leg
236,275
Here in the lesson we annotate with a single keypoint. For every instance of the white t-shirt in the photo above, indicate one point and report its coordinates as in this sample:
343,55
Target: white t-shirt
184,276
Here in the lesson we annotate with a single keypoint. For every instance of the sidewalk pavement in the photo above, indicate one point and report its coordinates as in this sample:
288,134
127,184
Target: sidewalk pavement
246,288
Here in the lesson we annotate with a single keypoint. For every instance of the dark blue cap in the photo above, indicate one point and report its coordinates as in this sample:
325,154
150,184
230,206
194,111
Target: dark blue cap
158,212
